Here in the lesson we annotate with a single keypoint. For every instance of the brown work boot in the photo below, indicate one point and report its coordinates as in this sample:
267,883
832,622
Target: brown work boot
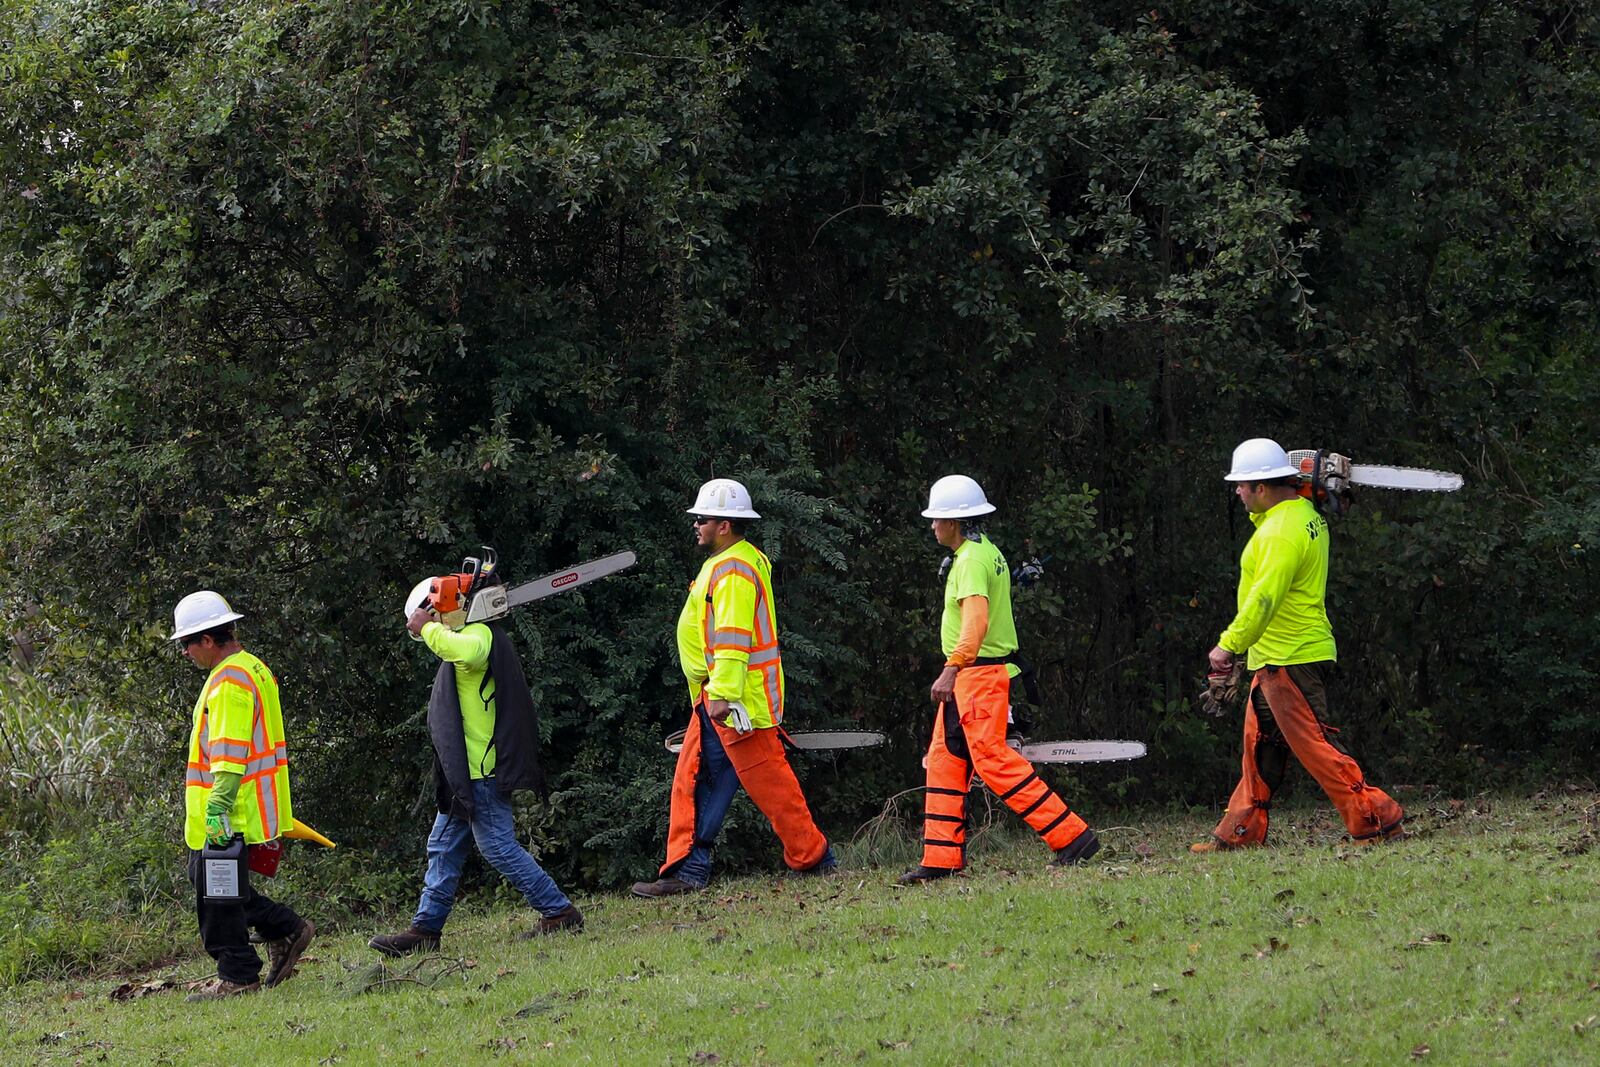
285,952
218,988
669,886
406,942
1200,848
568,918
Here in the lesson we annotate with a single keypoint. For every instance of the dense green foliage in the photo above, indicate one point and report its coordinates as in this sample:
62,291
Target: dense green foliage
303,301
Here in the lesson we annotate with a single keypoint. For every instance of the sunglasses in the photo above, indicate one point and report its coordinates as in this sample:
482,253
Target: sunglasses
701,520
191,640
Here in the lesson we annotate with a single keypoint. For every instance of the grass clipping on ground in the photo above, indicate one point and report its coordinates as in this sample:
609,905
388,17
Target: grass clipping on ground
1476,941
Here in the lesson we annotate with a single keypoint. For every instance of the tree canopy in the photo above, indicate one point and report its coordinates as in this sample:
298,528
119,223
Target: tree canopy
304,301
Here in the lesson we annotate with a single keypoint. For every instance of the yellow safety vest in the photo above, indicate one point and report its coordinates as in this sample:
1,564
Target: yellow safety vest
728,634
238,728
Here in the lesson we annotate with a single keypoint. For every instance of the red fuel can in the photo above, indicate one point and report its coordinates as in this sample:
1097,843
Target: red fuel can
263,859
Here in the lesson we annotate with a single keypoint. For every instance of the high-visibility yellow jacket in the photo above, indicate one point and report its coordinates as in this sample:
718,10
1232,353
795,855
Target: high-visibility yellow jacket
238,728
1283,588
728,634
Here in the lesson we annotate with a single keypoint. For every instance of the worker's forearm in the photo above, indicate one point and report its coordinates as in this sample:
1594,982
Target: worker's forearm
974,627
224,789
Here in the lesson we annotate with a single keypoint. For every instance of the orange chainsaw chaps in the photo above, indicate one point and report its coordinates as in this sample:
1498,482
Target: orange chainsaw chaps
764,772
944,834
983,698
680,824
1367,811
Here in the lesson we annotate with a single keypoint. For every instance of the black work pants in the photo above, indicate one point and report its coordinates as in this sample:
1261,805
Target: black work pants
225,926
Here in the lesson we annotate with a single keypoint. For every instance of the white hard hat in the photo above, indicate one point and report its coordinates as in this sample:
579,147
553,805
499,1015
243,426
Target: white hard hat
955,496
723,498
1260,459
418,594
200,611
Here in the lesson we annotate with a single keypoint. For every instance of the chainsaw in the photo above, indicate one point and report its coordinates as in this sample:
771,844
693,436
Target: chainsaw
1327,479
478,590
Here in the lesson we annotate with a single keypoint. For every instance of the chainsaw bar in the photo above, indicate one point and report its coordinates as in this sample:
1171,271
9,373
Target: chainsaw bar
811,741
1416,479
561,581
1078,751
1075,751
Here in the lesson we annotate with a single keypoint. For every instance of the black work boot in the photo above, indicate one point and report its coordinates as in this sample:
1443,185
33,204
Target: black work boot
568,918
920,875
1078,851
285,952
669,886
406,942
828,864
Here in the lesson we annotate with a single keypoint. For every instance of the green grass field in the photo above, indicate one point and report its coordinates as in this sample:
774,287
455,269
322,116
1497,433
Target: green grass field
1478,941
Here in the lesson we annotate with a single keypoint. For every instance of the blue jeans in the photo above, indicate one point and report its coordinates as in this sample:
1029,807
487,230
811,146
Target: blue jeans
491,827
714,790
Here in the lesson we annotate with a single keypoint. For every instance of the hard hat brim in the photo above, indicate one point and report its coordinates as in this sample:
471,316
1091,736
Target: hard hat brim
723,513
1260,476
958,513
205,624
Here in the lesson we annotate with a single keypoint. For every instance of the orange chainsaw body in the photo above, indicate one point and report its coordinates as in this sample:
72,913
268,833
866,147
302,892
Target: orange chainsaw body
449,592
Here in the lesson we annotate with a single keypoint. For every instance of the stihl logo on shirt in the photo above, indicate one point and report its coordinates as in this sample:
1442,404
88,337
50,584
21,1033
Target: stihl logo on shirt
1314,527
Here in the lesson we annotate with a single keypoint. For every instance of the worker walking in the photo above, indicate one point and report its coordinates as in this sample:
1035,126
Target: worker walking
1282,624
485,742
972,698
237,783
728,648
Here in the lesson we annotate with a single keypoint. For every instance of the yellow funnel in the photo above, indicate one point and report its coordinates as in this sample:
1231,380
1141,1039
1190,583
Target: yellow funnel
299,831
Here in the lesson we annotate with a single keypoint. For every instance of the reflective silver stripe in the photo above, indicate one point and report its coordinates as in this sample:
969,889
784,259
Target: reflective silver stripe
232,751
774,697
733,638
258,732
238,674
764,630
195,777
263,763
269,807
765,656
735,566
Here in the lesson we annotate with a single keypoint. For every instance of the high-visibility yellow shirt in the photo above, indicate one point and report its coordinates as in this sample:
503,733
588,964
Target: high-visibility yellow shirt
1282,614
980,569
728,634
468,650
238,728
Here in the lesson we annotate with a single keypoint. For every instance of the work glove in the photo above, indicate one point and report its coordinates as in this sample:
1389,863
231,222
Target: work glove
739,718
1222,690
218,831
